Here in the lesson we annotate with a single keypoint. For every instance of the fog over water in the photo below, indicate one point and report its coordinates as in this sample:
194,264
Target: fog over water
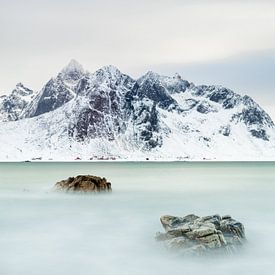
45,232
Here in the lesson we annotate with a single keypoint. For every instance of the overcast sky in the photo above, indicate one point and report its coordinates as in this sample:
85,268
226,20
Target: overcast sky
227,42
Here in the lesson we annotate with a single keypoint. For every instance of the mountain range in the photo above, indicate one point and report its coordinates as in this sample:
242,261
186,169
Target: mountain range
108,114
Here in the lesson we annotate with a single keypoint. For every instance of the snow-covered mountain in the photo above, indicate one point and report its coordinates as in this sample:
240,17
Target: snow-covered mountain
107,113
12,106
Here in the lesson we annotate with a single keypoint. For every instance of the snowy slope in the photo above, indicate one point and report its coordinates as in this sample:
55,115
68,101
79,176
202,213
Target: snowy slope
109,114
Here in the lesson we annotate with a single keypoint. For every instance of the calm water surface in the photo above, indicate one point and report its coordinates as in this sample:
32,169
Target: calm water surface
45,232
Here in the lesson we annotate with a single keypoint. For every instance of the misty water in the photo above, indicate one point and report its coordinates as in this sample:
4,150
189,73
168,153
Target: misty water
48,232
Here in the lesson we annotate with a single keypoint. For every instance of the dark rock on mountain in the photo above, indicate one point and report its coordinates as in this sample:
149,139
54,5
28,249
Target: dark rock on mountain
225,130
223,96
259,134
84,183
218,94
255,118
54,95
193,235
205,107
150,87
231,101
177,85
146,117
254,115
198,90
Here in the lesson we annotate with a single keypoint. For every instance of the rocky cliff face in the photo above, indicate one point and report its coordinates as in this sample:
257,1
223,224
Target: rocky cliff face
151,114
100,105
56,92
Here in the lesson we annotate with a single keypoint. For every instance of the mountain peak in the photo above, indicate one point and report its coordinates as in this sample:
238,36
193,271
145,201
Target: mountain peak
22,90
73,66
151,76
20,85
108,72
177,76
110,69
73,71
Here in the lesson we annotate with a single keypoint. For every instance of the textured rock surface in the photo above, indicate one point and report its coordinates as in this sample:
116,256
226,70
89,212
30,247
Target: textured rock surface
193,235
84,183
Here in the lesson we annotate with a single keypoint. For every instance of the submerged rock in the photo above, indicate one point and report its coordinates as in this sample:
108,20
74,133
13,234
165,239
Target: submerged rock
196,235
84,183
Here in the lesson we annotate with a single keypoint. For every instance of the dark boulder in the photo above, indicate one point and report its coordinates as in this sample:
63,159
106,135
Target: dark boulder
84,183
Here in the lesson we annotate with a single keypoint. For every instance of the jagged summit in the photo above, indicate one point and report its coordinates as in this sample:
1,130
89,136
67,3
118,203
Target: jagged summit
150,75
72,72
109,72
21,89
177,75
73,65
12,105
110,69
57,91
19,84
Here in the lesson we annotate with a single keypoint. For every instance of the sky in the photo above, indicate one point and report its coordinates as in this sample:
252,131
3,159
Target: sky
230,43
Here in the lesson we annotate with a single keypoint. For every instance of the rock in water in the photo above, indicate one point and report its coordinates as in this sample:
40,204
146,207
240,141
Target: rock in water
195,235
84,183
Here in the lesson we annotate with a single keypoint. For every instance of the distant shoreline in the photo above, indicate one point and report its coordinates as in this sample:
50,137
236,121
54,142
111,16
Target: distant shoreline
131,161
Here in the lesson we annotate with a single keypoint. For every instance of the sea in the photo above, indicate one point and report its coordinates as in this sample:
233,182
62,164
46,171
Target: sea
46,232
